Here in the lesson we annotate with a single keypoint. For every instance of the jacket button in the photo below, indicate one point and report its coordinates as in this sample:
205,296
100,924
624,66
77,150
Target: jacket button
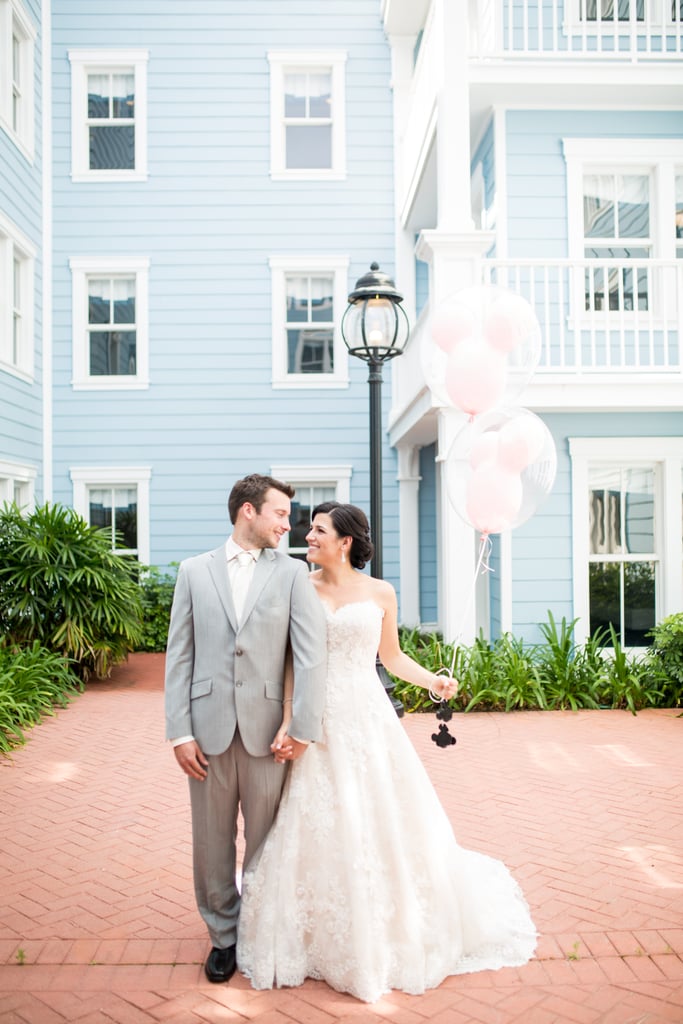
239,652
238,683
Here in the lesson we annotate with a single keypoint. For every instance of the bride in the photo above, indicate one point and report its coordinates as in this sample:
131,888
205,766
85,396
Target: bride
361,882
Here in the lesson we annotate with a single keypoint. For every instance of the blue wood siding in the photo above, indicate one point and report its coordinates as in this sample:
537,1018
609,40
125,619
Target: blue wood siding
428,546
536,169
208,219
21,204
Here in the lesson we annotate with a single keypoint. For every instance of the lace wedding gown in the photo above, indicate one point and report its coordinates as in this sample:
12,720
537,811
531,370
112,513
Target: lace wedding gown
360,881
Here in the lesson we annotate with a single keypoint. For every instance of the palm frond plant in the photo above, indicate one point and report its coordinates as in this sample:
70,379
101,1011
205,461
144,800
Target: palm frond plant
62,585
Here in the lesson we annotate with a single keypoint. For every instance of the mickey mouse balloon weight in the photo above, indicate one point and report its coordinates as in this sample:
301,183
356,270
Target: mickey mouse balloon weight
443,737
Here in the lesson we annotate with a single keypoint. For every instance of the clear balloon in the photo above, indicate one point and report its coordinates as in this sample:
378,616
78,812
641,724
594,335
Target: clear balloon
500,469
494,322
452,323
476,377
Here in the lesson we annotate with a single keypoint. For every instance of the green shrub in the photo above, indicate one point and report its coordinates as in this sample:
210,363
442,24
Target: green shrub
557,673
666,658
32,682
63,586
156,590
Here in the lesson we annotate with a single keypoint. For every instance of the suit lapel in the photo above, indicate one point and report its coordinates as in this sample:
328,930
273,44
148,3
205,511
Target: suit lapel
218,568
263,570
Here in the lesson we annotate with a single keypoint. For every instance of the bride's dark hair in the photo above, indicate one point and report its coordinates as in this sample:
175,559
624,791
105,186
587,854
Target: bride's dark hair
350,521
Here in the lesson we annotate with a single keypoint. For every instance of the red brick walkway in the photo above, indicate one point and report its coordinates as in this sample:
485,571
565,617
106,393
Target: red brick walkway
97,918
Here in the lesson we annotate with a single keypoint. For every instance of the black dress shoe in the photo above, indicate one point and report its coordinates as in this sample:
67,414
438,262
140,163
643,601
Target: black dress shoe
221,964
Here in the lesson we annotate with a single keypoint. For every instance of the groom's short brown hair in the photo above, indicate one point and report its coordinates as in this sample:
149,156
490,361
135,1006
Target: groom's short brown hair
253,489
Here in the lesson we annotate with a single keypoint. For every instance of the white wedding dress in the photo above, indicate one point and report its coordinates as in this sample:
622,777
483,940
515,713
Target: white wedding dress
360,881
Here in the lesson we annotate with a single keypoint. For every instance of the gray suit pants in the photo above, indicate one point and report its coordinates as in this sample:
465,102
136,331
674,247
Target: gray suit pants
235,780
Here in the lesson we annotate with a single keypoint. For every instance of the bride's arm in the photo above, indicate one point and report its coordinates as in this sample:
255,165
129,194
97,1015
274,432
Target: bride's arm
396,661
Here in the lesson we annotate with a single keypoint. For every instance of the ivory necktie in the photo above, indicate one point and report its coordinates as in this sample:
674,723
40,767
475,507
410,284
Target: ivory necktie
240,580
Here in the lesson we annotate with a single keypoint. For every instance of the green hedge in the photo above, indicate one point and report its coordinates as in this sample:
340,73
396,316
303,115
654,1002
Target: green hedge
557,673
33,682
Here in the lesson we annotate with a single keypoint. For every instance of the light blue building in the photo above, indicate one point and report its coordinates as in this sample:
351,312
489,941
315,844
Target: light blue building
189,192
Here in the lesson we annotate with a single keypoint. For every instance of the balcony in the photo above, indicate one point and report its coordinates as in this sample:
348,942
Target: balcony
614,30
609,328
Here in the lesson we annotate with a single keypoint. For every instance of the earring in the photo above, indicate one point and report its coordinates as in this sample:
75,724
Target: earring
343,558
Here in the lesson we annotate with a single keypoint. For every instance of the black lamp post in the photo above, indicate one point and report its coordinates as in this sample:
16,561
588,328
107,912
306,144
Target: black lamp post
375,329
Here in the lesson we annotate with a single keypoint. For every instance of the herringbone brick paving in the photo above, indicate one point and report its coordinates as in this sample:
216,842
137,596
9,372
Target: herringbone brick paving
97,917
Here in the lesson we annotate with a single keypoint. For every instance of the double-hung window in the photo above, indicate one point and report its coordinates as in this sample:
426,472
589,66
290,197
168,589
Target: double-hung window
17,44
307,115
108,115
628,544
116,499
17,263
625,223
617,235
313,485
110,347
309,294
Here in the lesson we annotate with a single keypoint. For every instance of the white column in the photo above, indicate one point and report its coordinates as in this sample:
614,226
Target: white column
453,120
409,533
454,261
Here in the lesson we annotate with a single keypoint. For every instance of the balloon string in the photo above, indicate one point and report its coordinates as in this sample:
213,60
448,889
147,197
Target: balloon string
483,566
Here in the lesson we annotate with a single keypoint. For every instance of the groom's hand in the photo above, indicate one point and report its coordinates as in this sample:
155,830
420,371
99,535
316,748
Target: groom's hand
289,750
191,759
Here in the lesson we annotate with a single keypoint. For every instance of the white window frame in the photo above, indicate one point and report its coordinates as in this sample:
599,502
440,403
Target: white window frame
298,476
666,455
659,159
283,61
15,22
15,477
657,15
81,270
85,477
84,62
281,266
15,246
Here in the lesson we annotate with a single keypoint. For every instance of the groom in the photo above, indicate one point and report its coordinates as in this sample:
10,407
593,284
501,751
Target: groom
235,610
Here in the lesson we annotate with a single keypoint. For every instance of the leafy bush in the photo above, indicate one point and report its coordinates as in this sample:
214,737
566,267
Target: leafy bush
32,682
666,658
557,673
156,590
62,585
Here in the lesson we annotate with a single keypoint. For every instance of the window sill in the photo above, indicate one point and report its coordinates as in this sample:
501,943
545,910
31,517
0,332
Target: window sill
312,175
310,382
109,384
93,177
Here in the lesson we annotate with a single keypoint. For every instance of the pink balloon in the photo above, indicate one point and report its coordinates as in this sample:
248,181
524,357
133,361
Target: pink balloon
494,497
451,324
484,449
520,442
510,320
476,376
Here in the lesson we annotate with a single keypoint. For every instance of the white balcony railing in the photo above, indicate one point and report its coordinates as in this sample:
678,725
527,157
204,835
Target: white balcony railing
596,315
632,30
603,321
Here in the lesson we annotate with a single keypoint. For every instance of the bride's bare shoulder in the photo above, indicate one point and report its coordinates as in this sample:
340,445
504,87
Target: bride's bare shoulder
382,592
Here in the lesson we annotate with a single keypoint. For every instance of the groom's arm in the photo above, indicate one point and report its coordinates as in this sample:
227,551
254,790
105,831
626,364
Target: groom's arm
179,663
308,637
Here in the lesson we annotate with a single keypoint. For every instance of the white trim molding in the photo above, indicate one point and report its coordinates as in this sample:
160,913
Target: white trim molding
83,268
665,454
308,266
83,63
85,477
17,275
17,483
305,62
17,76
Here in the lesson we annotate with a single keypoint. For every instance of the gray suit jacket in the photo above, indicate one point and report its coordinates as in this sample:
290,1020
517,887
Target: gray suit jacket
220,676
